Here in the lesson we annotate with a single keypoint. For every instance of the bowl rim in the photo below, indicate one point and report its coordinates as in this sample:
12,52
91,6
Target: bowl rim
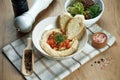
47,55
66,5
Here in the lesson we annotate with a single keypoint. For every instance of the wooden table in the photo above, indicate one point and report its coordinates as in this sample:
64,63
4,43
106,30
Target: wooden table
110,21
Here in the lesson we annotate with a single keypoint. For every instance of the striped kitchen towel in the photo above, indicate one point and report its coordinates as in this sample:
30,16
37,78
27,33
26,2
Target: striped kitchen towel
46,69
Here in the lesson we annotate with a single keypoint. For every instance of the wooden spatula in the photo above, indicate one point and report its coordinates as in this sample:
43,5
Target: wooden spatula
28,59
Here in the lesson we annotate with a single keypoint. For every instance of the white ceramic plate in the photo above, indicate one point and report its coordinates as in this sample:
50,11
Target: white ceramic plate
47,24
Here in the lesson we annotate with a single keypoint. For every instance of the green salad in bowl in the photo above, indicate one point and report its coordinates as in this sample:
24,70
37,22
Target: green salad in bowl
88,8
91,9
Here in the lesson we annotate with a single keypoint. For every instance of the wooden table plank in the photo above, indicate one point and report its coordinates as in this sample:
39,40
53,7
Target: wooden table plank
110,21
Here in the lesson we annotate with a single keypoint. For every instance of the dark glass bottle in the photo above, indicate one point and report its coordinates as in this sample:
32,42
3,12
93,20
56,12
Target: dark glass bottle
19,7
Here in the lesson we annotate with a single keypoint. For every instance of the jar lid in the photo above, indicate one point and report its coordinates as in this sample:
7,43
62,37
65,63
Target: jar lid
19,1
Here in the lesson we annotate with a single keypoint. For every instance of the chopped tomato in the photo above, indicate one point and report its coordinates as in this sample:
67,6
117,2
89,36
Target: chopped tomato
62,45
65,44
68,43
68,46
54,45
51,42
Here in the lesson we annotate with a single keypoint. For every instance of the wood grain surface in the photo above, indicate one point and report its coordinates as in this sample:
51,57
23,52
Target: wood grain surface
110,21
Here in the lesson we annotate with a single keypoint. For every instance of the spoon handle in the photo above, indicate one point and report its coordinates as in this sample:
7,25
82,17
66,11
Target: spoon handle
29,43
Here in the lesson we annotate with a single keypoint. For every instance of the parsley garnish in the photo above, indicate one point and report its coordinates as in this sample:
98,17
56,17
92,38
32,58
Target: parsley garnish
60,38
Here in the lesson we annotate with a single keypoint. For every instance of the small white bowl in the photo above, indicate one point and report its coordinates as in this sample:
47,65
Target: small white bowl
48,24
89,22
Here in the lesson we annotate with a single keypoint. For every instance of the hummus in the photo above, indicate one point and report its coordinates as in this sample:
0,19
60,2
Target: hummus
57,53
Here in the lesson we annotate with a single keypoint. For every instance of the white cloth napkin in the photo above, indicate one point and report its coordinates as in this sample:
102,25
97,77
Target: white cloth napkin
46,69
